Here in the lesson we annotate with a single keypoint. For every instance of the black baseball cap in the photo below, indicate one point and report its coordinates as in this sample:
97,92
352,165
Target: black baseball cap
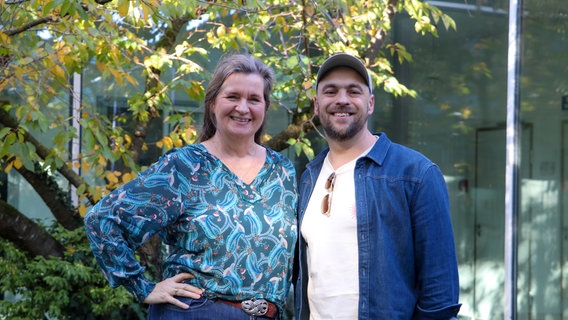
345,60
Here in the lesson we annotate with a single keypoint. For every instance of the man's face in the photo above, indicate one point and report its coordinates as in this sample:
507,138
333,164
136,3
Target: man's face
343,103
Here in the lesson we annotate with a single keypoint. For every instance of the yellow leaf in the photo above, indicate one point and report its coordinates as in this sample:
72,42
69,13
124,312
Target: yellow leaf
146,11
58,72
8,168
101,66
221,31
126,177
4,38
117,75
2,85
63,51
82,210
17,163
123,7
131,79
168,142
111,177
102,160
97,193
85,167
466,113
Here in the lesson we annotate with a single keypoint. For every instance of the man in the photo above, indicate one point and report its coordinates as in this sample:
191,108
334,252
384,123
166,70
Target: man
376,239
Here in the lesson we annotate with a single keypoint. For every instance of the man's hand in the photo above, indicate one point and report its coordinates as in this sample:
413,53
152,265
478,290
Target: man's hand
166,291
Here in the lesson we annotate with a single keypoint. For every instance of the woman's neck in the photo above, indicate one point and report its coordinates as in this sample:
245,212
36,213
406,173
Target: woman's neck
234,148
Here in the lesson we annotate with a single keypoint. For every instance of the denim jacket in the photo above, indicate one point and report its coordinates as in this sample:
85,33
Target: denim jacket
407,260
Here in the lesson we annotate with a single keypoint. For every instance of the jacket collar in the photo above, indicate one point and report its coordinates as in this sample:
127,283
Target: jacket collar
379,151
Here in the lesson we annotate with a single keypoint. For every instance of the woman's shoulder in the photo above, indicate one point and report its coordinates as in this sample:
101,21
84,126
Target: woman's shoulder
277,156
279,159
192,152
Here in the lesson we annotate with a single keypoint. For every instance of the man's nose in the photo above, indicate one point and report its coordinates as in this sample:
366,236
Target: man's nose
342,97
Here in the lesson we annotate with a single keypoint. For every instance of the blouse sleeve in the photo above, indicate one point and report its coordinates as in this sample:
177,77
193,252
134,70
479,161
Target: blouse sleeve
127,218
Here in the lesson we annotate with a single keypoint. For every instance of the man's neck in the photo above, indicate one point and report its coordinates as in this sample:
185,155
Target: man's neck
341,152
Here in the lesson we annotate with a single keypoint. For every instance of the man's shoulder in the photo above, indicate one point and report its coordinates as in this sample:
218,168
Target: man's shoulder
399,151
317,161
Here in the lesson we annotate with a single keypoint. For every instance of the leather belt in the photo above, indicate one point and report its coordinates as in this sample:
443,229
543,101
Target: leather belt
255,307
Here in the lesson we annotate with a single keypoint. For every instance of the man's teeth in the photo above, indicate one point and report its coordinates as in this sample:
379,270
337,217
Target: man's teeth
341,114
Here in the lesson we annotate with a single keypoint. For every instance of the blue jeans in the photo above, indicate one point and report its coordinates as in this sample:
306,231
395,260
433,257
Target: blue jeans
199,309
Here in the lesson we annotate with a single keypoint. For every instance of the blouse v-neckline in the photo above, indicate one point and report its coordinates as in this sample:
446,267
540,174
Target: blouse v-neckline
240,179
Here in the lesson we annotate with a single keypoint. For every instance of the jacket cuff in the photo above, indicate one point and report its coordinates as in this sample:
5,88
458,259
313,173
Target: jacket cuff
139,286
449,313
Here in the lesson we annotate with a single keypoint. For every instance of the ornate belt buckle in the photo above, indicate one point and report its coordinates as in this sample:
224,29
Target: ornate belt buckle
255,307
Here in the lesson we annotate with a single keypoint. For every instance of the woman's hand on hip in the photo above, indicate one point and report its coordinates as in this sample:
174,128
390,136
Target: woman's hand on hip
166,291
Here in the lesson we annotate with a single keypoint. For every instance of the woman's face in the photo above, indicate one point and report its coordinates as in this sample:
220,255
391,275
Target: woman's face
239,108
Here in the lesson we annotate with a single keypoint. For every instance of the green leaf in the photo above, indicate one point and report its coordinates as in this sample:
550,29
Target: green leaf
3,132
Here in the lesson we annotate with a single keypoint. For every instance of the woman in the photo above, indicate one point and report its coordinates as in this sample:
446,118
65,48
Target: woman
225,207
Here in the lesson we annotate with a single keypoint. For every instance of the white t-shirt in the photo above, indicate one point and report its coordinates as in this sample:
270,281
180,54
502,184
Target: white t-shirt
332,253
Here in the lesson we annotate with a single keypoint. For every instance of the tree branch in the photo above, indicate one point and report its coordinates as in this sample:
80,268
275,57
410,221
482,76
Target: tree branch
26,234
57,200
30,25
298,125
43,152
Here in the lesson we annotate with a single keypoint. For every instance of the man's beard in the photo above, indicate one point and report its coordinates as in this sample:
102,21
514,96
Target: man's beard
342,135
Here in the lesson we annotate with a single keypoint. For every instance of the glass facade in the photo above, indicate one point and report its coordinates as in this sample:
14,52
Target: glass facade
459,121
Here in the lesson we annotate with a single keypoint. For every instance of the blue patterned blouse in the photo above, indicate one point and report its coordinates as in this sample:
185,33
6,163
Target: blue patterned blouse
236,239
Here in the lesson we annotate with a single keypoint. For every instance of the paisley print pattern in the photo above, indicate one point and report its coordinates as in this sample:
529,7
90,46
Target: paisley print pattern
237,239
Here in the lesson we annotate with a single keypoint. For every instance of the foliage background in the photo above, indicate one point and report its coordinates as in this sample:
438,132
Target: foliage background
147,50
